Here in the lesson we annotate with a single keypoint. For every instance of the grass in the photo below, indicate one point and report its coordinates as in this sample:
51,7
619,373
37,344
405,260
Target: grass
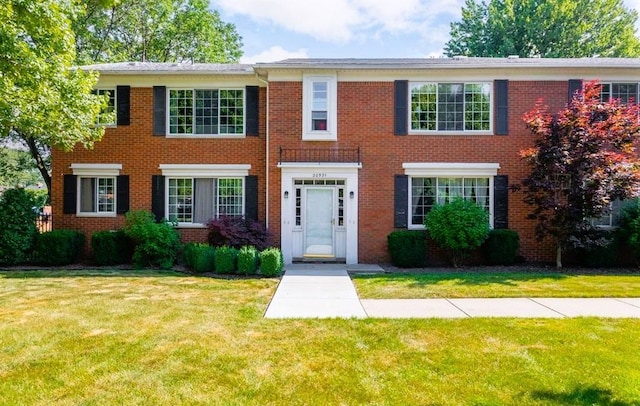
144,337
494,284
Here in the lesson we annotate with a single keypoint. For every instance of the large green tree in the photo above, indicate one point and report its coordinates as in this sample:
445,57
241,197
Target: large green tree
154,31
43,100
17,168
545,28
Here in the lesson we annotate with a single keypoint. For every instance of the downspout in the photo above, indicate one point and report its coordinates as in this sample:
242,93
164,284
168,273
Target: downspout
266,199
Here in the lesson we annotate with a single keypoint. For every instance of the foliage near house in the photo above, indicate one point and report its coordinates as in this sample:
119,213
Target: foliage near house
17,226
459,227
111,247
501,247
45,102
408,248
226,259
584,158
271,262
237,232
59,247
549,29
156,244
247,260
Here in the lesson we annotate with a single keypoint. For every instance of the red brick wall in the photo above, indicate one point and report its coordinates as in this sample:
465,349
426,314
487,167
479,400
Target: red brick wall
365,120
140,153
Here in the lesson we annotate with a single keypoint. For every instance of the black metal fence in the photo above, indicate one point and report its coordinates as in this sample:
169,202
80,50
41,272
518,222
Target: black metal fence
320,155
44,222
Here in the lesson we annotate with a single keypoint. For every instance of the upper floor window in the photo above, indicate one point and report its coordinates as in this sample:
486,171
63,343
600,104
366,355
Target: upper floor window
450,107
625,92
206,112
319,108
108,115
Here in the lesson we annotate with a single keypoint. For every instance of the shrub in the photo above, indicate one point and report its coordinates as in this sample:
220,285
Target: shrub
408,249
604,255
629,230
271,262
156,244
225,259
199,257
59,247
237,232
501,247
247,260
459,226
17,226
111,247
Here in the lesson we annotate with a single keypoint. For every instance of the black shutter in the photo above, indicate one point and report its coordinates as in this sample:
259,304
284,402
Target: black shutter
400,201
252,112
401,100
157,196
251,197
159,110
501,201
575,85
123,110
122,186
69,189
501,90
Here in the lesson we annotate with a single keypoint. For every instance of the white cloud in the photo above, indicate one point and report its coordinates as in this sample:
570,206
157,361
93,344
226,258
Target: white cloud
275,53
340,21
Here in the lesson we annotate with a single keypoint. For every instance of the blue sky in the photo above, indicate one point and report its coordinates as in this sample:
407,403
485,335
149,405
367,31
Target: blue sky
278,29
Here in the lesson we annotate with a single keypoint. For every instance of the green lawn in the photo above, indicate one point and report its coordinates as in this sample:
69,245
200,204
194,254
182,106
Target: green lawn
161,338
494,284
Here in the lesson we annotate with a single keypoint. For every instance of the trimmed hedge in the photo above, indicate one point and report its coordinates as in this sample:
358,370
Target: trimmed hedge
225,259
199,257
18,230
271,262
111,247
408,248
248,260
59,247
501,247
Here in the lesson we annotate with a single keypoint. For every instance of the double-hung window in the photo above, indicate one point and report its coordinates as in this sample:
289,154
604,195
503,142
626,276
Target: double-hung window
625,92
107,116
197,200
319,108
96,189
206,112
448,107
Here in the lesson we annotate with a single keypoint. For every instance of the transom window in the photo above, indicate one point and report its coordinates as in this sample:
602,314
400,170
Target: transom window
427,191
626,92
206,111
107,116
97,195
197,200
450,106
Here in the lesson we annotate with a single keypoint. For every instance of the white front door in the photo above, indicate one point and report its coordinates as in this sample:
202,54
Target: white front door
319,222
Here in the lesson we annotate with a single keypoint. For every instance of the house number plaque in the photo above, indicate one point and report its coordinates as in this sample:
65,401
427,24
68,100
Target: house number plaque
320,175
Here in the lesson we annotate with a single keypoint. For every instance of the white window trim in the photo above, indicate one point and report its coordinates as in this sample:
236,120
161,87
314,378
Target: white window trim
331,133
96,171
193,171
454,170
168,132
450,132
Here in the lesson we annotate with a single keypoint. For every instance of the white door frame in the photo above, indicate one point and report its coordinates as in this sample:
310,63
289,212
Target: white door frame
315,170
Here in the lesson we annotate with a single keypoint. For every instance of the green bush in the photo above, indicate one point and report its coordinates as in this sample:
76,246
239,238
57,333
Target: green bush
156,244
59,247
408,248
111,247
271,262
459,227
600,256
226,259
248,260
17,226
501,247
199,257
629,231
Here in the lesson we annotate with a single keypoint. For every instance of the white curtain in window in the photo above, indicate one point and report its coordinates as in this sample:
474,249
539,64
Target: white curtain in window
482,191
87,195
204,200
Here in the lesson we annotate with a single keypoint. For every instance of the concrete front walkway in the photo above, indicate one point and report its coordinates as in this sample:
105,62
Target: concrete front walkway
326,291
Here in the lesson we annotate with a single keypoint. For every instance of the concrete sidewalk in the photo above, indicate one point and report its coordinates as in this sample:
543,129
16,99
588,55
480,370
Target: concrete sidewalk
326,291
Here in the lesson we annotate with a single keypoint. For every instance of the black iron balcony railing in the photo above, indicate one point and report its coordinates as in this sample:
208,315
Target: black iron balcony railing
320,155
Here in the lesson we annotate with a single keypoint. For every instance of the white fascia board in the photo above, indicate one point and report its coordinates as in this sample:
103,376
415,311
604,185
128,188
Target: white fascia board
450,169
204,170
191,81
96,169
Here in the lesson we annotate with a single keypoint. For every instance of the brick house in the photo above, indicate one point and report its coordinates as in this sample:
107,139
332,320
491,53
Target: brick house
331,154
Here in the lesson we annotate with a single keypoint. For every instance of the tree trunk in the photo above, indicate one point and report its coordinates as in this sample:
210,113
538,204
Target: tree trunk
559,256
40,162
